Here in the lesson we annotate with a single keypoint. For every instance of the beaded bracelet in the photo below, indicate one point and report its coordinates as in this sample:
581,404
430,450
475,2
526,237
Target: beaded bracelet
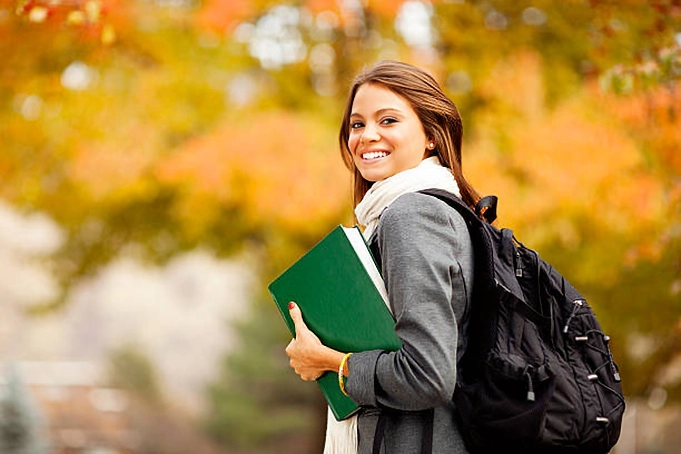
341,380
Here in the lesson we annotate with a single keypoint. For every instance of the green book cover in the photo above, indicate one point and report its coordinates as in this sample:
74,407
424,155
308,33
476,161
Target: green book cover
341,294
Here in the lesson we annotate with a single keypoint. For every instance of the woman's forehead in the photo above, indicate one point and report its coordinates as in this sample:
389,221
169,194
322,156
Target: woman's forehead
372,98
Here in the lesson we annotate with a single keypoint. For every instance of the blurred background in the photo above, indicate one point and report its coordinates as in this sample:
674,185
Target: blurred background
162,160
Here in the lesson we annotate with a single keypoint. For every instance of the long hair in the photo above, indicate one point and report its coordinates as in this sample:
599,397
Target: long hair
438,114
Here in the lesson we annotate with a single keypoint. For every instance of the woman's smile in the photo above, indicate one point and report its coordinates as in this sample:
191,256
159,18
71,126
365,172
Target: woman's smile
374,155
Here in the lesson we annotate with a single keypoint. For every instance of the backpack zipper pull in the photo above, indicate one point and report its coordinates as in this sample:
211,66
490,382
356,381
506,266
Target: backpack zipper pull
576,304
530,387
613,367
518,264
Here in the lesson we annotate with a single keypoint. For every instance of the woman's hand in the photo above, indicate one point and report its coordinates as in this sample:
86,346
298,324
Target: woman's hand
308,356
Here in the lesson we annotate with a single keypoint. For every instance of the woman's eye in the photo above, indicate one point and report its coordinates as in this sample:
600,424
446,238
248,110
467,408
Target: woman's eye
356,125
389,120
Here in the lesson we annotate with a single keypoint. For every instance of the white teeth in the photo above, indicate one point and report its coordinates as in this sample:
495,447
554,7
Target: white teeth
374,155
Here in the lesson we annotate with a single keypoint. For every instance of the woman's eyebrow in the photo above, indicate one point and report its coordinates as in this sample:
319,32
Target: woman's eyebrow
379,112
387,110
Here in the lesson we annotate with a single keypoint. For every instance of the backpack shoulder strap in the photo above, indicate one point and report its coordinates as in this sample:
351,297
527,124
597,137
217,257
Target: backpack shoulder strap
485,209
494,248
481,243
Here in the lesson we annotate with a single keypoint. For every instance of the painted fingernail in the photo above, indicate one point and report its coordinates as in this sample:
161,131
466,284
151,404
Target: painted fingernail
291,305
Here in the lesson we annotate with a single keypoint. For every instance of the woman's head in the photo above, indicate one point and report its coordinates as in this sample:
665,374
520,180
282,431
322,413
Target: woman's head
440,120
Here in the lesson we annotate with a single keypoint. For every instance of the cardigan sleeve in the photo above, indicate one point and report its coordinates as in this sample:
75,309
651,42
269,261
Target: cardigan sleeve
426,261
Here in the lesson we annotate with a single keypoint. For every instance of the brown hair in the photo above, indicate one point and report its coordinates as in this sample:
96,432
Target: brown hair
438,114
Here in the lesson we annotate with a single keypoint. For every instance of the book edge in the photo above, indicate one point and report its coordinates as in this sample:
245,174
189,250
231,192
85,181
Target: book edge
361,248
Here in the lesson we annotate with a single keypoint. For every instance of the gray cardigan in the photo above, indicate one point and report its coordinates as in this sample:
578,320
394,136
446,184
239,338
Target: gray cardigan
427,265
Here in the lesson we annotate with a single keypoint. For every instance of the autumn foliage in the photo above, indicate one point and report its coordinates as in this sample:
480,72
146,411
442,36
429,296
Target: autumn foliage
157,127
276,167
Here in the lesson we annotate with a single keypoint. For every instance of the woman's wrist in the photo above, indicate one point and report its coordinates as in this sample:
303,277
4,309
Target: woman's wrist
332,361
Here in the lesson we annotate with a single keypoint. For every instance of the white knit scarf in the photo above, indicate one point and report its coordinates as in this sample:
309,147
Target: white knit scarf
428,174
341,436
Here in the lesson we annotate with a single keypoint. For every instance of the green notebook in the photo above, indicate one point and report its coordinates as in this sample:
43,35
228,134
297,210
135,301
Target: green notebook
341,294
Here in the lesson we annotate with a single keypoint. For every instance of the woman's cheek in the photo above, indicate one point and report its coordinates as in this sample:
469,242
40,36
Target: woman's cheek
353,148
352,144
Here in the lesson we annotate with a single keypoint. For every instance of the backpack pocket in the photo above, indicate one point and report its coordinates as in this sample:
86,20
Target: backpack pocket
509,400
506,403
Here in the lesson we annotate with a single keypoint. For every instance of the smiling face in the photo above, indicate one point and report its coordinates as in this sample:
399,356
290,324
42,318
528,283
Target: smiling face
386,136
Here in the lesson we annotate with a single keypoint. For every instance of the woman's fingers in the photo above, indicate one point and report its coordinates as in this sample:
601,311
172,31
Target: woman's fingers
298,361
303,348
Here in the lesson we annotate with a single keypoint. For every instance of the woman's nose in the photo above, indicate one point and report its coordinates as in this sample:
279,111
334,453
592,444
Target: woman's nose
370,134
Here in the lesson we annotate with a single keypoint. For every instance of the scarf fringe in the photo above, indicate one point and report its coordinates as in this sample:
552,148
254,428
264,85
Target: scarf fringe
341,436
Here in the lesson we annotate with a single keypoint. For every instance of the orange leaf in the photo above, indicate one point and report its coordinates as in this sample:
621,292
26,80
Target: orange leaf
224,15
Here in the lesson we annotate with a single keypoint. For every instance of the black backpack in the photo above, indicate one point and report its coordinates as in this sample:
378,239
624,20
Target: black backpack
537,375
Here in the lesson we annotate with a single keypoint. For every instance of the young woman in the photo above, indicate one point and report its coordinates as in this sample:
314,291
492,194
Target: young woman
401,134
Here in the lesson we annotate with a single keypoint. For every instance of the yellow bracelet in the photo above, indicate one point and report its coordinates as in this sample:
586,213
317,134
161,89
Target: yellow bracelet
341,380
